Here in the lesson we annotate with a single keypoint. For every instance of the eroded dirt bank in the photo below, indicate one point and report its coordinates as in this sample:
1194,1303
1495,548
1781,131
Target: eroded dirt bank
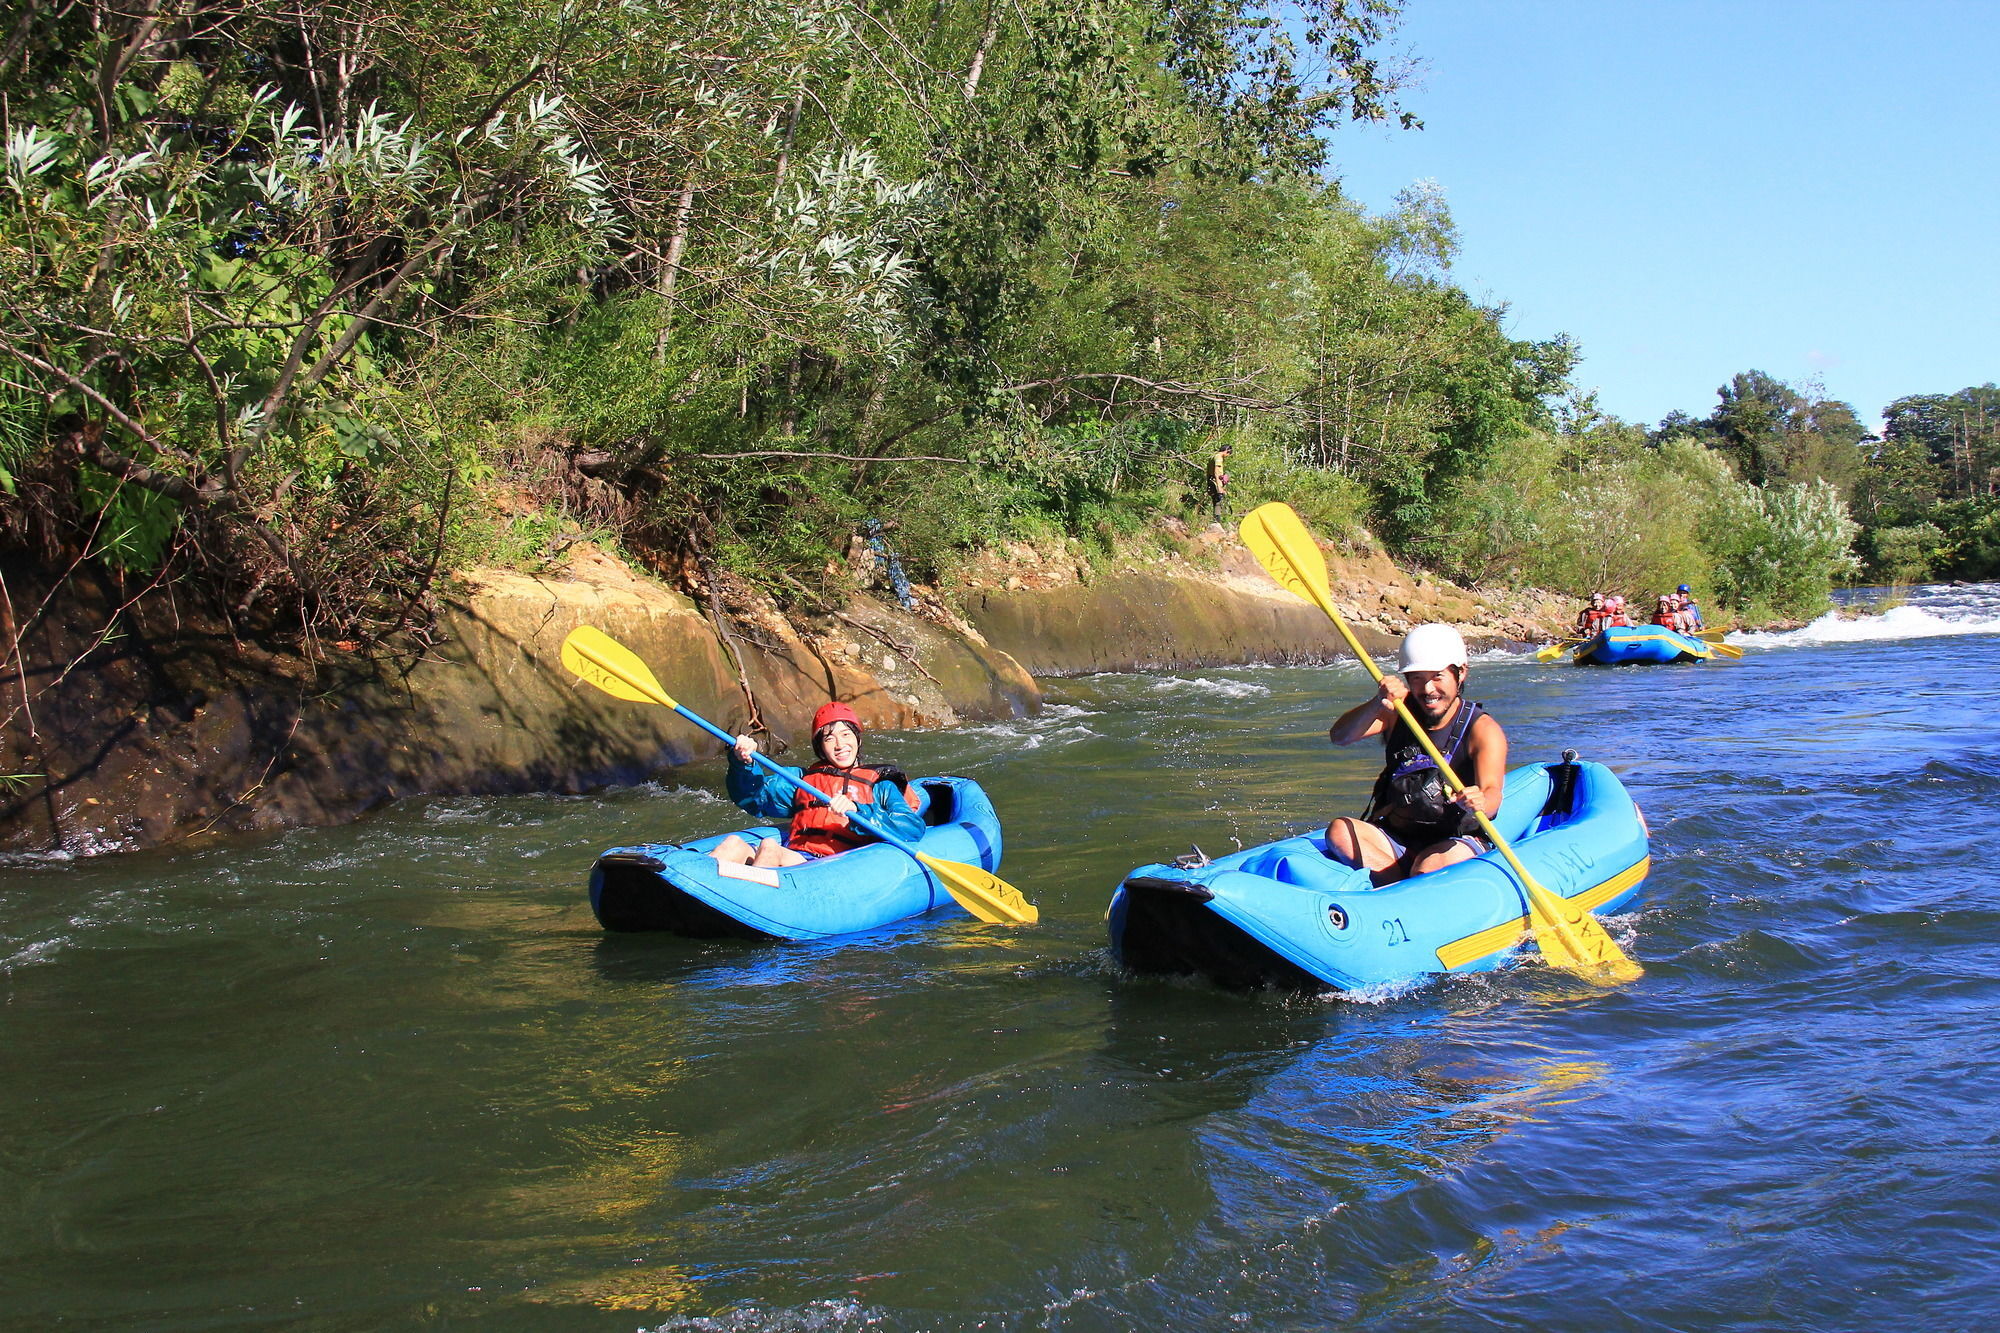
132,722
1211,604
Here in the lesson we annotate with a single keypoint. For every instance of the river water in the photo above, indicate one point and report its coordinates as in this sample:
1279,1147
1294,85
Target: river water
393,1076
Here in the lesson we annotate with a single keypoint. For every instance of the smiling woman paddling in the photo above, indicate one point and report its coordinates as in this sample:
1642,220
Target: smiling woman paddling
1413,824
881,793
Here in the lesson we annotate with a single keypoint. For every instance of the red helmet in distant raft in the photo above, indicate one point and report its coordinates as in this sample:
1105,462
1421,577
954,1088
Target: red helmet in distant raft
830,713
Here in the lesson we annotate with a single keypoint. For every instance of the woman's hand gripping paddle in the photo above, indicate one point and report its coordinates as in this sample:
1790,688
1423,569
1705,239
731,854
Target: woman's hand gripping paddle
1568,936
612,667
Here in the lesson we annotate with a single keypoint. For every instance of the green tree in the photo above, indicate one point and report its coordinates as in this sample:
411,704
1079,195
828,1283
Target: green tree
1959,431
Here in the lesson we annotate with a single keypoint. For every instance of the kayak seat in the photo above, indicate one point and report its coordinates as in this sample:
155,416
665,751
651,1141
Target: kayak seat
1311,870
1305,866
1561,803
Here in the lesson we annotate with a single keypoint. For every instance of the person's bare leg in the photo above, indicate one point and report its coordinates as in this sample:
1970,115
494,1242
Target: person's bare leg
774,855
1439,855
1351,842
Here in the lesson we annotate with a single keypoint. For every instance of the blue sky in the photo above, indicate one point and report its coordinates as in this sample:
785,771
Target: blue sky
1693,189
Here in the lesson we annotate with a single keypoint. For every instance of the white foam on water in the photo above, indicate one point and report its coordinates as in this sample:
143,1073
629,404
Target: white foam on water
1209,686
41,951
1908,621
54,856
91,842
1058,724
812,1317
699,795
1381,992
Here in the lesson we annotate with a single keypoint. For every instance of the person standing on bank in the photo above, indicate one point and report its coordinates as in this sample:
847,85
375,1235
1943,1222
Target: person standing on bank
1413,824
1218,481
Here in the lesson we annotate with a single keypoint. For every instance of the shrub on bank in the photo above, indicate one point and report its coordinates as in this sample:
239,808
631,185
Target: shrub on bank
1642,521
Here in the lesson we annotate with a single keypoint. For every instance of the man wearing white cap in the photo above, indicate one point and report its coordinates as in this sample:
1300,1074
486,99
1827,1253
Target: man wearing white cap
1413,823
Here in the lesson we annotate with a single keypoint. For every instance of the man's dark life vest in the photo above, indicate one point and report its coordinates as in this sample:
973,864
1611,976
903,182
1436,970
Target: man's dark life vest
1411,800
816,829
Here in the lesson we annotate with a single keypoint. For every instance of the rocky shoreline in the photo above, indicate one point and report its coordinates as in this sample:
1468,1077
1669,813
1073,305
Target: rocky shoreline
127,725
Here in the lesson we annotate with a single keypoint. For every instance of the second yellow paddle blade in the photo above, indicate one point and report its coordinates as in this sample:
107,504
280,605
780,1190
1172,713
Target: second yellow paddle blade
602,661
1286,550
983,893
1575,941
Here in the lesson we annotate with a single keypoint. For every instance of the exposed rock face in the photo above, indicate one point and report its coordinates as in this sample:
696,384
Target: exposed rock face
1062,619
164,730
135,724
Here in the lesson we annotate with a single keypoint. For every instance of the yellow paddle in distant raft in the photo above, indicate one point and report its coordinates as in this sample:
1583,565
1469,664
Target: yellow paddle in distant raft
1713,638
1714,644
1569,937
601,660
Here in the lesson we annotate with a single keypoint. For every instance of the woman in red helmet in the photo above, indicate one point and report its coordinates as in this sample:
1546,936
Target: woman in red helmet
881,793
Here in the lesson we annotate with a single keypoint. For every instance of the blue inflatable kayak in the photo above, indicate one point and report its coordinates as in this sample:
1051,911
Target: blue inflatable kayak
1284,915
678,887
1639,643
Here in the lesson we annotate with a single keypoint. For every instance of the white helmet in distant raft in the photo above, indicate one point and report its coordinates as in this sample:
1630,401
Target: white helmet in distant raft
1431,648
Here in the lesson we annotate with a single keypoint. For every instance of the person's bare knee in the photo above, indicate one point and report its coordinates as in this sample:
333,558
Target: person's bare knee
1437,858
1341,844
732,850
1354,843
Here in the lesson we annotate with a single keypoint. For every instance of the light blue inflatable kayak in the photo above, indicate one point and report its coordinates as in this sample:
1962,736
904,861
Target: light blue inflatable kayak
1284,915
1639,643
678,887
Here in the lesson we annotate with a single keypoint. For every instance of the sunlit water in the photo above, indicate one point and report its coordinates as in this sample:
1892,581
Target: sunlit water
393,1076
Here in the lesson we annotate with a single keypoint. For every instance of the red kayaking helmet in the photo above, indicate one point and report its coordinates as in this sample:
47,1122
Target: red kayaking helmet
830,713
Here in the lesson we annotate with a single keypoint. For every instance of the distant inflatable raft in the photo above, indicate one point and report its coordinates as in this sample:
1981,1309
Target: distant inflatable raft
678,887
1639,643
1284,915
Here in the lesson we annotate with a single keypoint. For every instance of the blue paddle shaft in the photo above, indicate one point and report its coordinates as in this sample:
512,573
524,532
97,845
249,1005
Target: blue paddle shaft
778,770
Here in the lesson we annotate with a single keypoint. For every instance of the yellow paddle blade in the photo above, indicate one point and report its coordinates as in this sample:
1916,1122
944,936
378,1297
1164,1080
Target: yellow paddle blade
602,661
1287,552
1573,940
982,893
1553,651
1725,650
1569,937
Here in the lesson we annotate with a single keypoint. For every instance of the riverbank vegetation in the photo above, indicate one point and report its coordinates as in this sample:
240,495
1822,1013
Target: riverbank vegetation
306,306
1920,499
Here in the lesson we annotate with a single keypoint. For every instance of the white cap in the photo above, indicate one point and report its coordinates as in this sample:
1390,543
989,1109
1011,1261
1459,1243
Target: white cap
1431,648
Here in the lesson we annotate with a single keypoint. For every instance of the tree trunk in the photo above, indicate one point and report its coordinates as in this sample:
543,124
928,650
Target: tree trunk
985,45
683,209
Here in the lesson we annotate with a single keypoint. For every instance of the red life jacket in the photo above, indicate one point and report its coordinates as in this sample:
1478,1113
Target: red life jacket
1667,618
816,829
